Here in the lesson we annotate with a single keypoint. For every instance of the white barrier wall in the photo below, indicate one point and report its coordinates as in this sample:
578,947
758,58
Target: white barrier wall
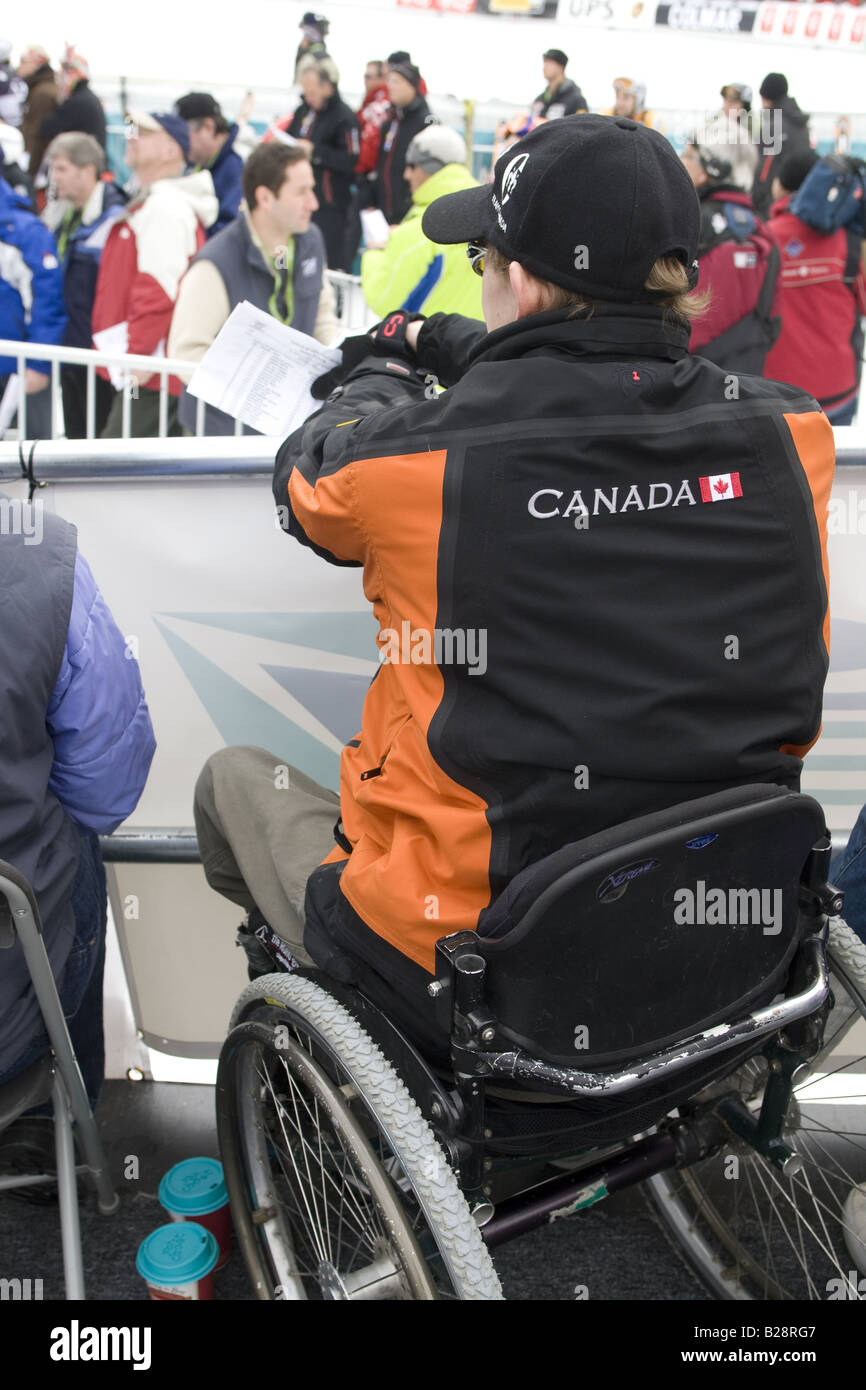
244,636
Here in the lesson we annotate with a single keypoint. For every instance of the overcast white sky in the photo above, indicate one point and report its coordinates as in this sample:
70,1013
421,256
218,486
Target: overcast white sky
252,43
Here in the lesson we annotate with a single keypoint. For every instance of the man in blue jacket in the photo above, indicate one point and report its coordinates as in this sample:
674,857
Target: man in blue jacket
76,744
211,146
31,300
87,209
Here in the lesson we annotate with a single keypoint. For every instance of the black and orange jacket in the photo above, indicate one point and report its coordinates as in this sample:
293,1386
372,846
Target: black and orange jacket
636,542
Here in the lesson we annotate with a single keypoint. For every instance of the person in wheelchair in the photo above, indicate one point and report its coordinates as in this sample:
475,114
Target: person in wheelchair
598,564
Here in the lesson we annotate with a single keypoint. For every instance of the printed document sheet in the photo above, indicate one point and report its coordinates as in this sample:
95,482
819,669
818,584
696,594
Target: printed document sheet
260,371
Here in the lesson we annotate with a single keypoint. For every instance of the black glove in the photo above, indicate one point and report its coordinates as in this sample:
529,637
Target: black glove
389,336
386,339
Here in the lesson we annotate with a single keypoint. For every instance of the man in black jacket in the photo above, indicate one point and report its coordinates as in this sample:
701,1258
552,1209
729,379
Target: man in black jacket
328,132
561,96
80,108
409,114
784,130
624,558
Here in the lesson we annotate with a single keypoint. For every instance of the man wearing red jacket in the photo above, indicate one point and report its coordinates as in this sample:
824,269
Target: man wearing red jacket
371,114
146,253
823,283
739,265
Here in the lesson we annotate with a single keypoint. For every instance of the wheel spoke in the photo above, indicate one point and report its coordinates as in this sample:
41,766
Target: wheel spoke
770,1236
301,1120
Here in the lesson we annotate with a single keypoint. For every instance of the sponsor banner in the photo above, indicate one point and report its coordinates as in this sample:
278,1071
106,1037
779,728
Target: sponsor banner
608,14
716,17
822,26
444,6
278,651
535,9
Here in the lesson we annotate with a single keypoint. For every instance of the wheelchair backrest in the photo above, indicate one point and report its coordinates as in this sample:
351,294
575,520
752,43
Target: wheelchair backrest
628,941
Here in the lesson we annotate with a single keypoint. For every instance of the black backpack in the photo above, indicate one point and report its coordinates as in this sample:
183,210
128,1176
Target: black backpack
744,346
833,195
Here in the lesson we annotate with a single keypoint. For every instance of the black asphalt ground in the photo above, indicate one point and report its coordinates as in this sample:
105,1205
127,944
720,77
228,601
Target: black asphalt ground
612,1251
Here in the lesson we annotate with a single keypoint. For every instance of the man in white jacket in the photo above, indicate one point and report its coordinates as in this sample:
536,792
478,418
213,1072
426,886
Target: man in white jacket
147,251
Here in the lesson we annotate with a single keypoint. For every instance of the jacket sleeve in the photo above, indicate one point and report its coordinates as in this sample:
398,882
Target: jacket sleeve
576,103
201,310
166,241
371,135
445,344
314,477
98,717
342,154
402,274
326,329
53,124
48,315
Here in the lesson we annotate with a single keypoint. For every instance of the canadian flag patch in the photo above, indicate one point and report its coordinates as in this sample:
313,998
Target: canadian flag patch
718,487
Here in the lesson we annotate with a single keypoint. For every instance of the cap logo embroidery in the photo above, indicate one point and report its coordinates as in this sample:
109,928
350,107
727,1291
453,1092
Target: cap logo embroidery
512,173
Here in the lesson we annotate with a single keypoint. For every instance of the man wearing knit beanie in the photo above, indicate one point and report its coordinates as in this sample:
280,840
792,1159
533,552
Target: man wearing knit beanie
784,131
409,115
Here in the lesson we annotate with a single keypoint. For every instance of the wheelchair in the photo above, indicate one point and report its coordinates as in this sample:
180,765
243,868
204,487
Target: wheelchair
666,1003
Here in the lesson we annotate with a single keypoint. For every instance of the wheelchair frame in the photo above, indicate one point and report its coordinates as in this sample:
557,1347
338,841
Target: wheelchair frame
457,1117
690,1094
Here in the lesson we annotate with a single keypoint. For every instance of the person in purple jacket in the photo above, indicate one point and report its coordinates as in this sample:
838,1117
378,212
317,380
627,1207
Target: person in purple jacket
76,743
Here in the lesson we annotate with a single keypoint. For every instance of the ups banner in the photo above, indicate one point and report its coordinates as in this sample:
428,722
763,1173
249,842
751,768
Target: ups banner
534,9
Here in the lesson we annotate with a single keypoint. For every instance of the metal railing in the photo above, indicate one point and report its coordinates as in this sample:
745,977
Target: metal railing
65,460
353,314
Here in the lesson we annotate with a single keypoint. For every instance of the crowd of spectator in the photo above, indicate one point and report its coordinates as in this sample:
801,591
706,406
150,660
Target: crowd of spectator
153,266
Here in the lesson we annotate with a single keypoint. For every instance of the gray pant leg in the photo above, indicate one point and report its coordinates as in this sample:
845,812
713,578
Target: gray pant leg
263,827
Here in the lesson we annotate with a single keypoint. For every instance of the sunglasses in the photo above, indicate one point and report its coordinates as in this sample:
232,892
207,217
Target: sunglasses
477,256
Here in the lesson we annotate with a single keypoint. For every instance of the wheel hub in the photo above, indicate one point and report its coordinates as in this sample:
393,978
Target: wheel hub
332,1286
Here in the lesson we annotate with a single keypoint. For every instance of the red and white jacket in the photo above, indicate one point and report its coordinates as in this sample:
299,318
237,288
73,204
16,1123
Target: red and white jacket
823,297
147,251
372,116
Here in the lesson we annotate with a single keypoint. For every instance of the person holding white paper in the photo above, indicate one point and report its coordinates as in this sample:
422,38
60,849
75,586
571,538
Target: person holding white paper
272,256
409,271
146,252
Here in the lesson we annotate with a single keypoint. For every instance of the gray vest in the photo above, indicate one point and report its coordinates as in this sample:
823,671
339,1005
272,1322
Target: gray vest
36,835
246,276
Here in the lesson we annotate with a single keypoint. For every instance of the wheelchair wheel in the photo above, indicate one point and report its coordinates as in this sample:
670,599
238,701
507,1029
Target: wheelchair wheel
751,1232
337,1185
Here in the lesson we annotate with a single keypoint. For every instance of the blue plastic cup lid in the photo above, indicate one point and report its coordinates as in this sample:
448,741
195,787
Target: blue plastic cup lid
179,1253
194,1187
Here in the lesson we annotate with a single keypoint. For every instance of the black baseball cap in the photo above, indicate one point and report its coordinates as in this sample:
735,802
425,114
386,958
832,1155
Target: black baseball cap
587,202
